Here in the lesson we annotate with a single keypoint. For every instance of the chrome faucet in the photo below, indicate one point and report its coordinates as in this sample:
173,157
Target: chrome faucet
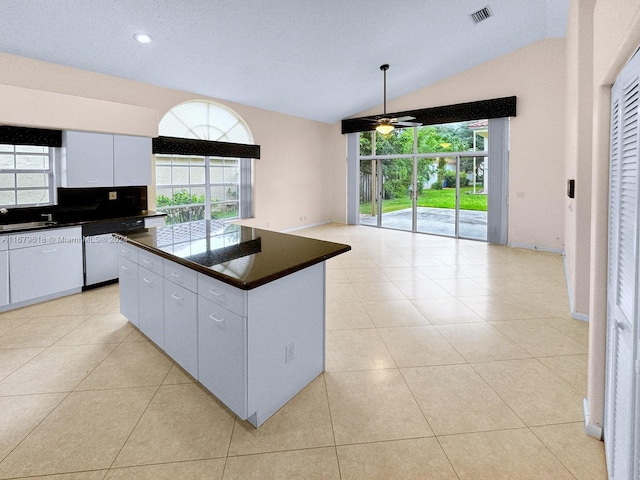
48,216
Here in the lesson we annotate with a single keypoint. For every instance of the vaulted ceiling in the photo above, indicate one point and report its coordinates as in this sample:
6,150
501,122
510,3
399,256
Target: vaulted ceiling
316,59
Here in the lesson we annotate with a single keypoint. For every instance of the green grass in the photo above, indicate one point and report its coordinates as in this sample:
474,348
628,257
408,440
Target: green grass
445,198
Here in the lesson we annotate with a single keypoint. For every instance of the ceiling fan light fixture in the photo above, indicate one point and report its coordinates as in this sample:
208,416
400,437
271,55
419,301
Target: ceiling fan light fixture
385,128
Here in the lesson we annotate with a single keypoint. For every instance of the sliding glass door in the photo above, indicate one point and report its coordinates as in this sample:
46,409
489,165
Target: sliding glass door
436,206
385,193
414,180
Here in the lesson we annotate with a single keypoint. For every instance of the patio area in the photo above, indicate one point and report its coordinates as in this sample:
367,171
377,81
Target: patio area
438,221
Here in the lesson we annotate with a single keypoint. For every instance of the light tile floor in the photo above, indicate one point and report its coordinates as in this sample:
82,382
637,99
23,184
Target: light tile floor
446,359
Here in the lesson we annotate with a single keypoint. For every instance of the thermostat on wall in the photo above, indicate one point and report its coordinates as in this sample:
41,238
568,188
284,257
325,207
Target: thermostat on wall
571,188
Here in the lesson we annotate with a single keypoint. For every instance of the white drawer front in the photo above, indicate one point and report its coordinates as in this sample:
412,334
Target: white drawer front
48,236
128,251
150,261
181,275
223,294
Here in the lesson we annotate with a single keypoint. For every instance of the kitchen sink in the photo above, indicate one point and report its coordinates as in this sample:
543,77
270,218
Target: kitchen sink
25,225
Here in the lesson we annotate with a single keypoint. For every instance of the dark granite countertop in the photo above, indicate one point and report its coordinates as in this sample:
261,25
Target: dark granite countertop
244,257
70,220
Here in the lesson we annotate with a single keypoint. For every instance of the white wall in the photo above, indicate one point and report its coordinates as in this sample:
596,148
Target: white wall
293,179
536,76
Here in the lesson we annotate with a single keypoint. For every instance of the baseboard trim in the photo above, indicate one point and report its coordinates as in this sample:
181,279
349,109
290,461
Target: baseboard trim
583,317
590,429
536,248
302,227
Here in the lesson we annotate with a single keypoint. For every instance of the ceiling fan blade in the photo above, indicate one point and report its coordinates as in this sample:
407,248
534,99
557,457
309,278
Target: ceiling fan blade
403,119
407,124
375,119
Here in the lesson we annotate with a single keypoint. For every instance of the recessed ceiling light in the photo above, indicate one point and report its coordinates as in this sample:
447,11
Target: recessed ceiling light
143,37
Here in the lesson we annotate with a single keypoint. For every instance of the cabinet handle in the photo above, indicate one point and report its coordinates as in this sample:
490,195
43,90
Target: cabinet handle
124,267
176,297
91,181
147,261
213,292
216,319
146,280
177,275
48,251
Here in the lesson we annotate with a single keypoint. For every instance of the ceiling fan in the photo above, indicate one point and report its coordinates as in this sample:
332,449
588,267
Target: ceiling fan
384,123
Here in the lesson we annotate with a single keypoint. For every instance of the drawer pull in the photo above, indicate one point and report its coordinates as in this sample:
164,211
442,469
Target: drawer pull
177,275
213,292
91,181
147,261
48,251
176,297
124,267
216,319
146,280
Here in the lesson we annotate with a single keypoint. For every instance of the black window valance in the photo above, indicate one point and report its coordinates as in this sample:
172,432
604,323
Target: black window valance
494,108
10,135
188,146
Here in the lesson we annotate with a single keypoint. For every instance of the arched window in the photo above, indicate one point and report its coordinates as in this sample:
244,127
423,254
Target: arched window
204,121
191,187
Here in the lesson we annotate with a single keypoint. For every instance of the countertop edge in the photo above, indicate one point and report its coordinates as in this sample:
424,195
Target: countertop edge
79,223
233,281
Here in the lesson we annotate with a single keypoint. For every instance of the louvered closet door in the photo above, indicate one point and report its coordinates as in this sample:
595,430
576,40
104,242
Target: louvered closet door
621,428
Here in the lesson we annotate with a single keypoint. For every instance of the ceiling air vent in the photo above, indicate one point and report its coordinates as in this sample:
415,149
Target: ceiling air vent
481,15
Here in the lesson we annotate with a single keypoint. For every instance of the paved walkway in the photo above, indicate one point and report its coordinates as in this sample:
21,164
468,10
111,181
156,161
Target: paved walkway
440,221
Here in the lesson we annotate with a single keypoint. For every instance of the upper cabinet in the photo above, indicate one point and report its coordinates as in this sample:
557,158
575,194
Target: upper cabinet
104,160
131,160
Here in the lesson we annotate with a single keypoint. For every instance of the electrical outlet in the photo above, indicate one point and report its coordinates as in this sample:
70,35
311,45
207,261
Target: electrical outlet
289,352
113,195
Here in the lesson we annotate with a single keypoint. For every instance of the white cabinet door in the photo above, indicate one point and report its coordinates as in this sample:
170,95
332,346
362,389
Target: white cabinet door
104,160
181,326
4,278
151,307
131,160
222,355
45,270
88,159
128,279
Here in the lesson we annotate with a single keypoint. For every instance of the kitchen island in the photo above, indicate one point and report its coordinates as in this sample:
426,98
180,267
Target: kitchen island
241,309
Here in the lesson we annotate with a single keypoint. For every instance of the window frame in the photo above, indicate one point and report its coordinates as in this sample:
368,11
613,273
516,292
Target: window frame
206,187
49,154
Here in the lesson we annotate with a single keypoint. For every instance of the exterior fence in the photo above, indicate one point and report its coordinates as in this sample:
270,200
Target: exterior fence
365,188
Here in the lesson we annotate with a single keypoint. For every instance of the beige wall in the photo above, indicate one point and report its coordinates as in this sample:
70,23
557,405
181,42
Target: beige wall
536,76
578,152
293,179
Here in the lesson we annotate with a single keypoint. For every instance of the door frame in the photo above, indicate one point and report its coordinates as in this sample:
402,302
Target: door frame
497,155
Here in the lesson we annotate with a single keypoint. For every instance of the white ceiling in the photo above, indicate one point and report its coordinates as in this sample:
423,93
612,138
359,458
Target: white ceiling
317,59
